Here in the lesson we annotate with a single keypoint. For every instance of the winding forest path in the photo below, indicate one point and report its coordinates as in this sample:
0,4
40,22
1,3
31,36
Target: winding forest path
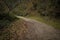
40,31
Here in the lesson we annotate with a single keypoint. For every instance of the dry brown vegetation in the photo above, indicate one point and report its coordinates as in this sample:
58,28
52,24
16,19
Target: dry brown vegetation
15,30
28,30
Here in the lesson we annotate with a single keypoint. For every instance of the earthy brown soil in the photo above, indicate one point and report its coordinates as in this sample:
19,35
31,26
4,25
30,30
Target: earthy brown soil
28,29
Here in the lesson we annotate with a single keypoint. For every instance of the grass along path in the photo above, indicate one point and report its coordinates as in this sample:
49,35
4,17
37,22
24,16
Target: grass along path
54,23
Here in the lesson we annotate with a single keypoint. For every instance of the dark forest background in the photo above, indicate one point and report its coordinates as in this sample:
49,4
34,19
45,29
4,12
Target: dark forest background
47,9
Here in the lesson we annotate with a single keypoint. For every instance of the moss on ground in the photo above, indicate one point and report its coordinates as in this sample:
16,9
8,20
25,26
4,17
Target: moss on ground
55,23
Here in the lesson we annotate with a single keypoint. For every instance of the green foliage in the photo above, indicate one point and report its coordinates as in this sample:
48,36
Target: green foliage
5,17
45,8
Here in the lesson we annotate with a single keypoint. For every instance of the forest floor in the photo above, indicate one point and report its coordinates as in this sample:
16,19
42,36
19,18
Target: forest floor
29,29
40,31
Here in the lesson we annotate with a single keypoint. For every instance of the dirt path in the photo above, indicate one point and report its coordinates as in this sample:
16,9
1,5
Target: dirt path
40,31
